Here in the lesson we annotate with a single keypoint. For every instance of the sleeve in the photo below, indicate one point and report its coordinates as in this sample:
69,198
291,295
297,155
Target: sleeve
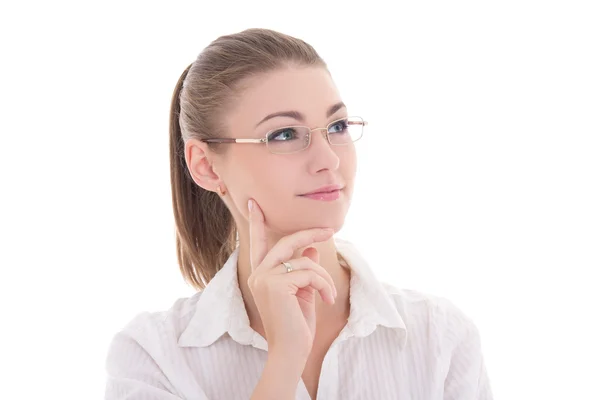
467,377
132,374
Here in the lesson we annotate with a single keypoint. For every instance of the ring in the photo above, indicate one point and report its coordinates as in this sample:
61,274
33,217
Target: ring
288,266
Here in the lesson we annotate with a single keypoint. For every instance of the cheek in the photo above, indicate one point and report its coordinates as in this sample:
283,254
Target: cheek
279,184
348,163
266,177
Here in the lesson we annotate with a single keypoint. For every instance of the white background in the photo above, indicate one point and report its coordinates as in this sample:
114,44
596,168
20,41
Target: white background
478,178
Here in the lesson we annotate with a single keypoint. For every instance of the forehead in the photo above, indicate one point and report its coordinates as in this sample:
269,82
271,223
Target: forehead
308,90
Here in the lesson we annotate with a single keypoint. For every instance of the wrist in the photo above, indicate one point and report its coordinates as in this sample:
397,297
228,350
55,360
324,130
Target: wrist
280,377
290,354
292,362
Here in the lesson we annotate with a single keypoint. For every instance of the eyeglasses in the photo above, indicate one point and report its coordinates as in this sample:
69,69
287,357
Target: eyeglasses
292,139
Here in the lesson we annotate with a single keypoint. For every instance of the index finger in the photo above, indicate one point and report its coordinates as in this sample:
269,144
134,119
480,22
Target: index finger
258,237
285,248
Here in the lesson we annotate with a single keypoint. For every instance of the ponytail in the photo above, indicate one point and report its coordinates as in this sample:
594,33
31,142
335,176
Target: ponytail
204,227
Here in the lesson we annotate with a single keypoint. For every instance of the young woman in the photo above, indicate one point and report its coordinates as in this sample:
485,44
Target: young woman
263,164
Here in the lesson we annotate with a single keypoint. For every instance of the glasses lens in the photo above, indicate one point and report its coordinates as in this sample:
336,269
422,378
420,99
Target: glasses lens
288,140
345,130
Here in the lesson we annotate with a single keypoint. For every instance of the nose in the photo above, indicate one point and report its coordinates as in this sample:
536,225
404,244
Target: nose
322,153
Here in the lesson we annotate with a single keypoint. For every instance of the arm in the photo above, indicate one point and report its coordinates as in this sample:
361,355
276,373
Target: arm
467,377
280,377
133,374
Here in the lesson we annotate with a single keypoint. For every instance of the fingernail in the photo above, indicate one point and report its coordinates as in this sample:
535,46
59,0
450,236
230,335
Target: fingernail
334,292
249,205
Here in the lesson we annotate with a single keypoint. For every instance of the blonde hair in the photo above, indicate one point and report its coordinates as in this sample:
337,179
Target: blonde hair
205,228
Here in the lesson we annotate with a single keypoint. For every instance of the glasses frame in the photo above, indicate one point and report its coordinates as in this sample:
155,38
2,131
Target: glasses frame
264,140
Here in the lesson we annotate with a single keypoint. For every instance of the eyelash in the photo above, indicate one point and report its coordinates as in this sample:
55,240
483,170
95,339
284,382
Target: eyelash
276,133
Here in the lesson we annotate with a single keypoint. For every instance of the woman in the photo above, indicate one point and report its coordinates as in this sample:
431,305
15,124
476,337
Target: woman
262,167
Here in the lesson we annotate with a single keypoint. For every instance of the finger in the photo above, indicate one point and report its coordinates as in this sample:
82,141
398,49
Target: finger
258,236
308,278
311,253
285,248
305,263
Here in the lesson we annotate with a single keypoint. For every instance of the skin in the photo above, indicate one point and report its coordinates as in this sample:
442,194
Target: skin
275,181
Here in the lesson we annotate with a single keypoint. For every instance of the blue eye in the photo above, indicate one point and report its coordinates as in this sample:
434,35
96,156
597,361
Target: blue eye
339,127
285,133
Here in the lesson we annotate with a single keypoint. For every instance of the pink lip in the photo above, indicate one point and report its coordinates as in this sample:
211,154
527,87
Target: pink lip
324,189
325,193
324,196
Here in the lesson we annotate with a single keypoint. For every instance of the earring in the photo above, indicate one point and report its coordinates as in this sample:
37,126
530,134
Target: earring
222,193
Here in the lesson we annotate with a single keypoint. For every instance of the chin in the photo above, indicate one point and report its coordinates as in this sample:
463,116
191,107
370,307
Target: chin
314,214
301,222
328,222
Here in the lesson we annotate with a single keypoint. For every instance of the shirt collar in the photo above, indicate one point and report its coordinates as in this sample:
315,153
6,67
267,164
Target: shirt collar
220,308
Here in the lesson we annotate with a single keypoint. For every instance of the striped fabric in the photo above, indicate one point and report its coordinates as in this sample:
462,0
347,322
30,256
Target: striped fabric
397,344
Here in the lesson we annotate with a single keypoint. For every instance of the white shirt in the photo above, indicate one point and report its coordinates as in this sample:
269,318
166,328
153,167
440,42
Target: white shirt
397,344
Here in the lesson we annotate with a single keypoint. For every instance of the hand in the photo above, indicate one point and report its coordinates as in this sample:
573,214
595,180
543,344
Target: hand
286,301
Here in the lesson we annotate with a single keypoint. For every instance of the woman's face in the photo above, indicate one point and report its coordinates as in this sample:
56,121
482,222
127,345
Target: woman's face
277,181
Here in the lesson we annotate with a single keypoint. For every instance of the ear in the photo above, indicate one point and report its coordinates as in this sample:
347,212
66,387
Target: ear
199,160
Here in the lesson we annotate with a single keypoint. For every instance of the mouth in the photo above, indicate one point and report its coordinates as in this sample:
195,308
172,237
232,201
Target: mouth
324,190
329,195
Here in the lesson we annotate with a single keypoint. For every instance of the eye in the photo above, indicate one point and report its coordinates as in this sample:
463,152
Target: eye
283,134
339,126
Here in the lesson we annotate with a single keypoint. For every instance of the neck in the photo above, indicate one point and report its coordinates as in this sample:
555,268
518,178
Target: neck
328,259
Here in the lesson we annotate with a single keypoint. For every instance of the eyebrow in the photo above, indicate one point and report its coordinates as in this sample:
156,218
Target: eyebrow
299,116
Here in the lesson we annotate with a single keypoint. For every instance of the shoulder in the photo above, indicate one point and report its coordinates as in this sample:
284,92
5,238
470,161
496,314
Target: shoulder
150,329
142,356
437,312
436,323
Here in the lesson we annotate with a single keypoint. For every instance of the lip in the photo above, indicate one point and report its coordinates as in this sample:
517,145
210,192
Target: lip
324,196
324,190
